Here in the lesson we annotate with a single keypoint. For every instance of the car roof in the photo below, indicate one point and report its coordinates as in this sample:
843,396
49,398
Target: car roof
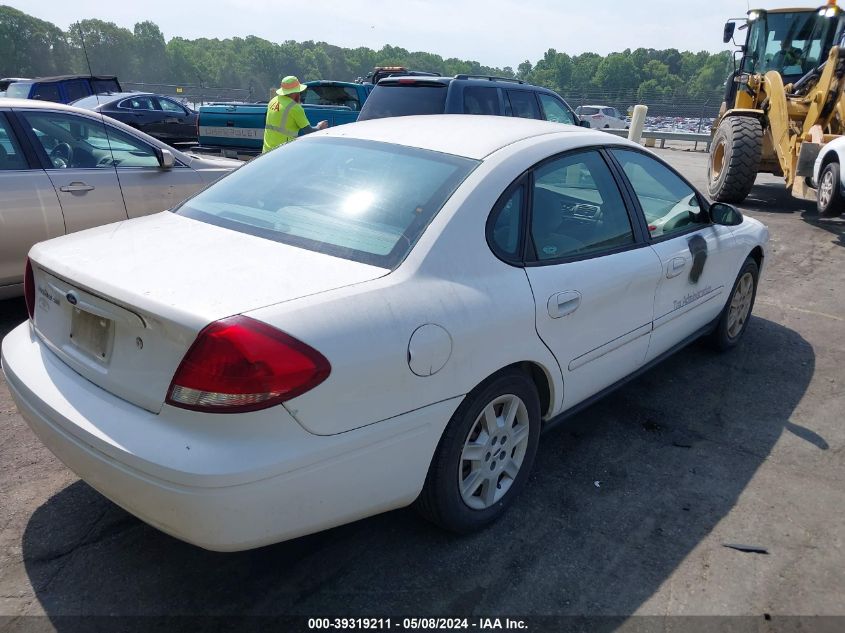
67,77
474,79
107,98
468,135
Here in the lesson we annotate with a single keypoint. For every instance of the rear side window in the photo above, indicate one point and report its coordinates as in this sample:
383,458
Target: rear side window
46,92
11,156
76,90
577,208
506,225
404,100
523,104
138,103
478,100
360,200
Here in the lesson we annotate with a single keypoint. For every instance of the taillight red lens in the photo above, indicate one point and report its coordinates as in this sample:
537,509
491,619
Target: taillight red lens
240,364
596,116
29,289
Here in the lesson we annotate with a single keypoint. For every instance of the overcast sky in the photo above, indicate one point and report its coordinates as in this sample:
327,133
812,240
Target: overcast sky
493,32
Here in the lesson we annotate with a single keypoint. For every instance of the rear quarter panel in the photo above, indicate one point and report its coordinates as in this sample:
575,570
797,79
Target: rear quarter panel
451,279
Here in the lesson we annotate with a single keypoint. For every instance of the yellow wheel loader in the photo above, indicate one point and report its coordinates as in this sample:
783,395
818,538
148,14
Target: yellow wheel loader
783,101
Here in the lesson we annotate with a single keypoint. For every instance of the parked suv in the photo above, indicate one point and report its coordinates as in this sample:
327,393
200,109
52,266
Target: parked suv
602,117
63,89
465,94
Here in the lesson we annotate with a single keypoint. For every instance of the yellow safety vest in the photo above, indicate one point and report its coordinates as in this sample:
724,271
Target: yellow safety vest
279,126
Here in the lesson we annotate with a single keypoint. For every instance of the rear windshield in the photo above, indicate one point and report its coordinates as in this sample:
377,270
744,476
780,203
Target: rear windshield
404,100
359,200
585,110
344,96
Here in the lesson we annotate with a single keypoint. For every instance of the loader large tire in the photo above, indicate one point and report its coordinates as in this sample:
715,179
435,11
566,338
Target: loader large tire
734,158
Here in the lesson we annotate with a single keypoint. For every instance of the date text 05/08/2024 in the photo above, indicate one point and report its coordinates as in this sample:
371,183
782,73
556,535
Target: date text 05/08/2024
416,624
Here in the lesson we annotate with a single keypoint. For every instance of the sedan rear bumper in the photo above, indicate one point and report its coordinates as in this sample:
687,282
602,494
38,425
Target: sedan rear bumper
202,496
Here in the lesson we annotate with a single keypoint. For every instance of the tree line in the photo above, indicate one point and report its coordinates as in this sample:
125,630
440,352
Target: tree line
30,47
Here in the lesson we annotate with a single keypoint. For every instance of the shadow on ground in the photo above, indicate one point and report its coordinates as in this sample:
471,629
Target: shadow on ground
834,226
773,197
672,452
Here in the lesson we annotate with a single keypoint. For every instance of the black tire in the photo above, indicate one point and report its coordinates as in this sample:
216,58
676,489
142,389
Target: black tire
829,199
735,154
440,500
722,339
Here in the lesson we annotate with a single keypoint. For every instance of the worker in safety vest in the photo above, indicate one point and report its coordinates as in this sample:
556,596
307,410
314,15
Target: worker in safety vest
285,116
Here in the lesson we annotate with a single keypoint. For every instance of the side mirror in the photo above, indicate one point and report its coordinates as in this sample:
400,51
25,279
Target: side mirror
728,34
165,158
725,214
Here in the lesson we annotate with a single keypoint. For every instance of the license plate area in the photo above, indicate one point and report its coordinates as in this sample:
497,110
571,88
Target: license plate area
91,334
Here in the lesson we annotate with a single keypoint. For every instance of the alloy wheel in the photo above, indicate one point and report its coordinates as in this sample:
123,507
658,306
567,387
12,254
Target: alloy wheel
493,452
740,305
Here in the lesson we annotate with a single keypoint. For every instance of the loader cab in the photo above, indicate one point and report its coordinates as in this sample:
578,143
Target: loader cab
792,42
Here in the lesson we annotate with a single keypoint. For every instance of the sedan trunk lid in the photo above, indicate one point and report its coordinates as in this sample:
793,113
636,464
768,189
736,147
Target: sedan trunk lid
122,303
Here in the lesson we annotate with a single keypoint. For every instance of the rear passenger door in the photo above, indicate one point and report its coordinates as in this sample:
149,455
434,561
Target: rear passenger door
591,271
29,207
523,104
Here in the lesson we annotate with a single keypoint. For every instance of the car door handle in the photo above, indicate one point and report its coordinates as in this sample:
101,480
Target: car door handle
564,303
675,267
76,187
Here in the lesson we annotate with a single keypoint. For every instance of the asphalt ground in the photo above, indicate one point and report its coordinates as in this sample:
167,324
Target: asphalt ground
627,513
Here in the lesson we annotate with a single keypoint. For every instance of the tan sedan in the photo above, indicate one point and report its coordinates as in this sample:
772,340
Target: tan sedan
64,169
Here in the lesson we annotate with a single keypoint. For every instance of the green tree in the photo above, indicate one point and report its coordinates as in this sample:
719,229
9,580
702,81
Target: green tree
30,47
150,52
33,47
110,48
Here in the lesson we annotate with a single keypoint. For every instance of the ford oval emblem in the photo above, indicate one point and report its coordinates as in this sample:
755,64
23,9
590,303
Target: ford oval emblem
71,298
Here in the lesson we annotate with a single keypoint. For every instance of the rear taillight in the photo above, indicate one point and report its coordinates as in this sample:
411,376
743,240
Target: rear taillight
29,289
597,116
240,364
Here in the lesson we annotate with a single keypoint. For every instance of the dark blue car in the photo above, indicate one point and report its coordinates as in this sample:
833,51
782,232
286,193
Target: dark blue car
465,94
63,89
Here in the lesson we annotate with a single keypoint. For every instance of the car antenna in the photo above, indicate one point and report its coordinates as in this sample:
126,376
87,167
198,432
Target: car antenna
87,60
93,86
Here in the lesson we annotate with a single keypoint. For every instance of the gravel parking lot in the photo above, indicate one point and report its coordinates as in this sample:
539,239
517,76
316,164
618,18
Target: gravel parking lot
627,513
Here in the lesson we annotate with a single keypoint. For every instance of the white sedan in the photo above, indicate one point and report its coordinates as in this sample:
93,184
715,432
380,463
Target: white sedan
380,314
829,178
